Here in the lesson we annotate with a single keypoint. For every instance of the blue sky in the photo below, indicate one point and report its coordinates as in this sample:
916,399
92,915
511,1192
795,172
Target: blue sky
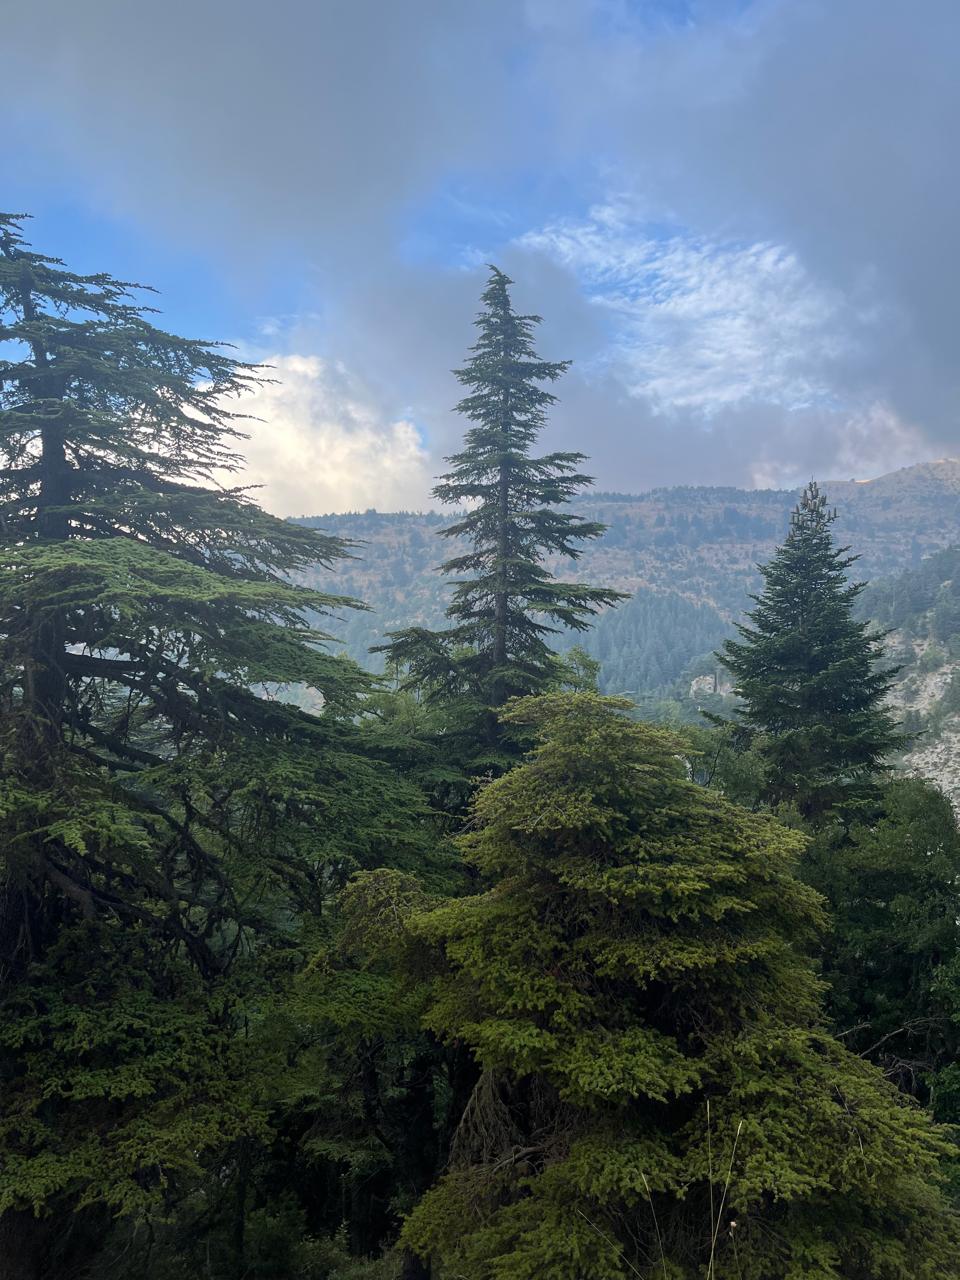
737,217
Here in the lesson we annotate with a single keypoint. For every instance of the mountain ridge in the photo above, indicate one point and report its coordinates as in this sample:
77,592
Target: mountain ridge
687,554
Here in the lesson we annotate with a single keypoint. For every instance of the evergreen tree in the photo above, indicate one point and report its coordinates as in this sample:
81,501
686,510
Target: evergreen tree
507,602
892,958
809,674
160,808
656,1096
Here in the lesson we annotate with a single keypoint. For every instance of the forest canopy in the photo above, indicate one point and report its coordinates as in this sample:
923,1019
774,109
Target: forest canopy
460,969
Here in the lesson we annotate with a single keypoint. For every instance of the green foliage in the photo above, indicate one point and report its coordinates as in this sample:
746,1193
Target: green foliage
688,556
894,950
126,1073
654,1076
907,599
168,821
249,1016
505,601
646,644
576,670
718,757
810,677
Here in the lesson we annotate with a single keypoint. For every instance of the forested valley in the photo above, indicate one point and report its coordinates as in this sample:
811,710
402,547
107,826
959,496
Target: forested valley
491,954
687,557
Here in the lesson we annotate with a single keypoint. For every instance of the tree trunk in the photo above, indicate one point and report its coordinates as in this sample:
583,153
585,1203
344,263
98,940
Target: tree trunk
44,681
501,599
21,1246
413,1267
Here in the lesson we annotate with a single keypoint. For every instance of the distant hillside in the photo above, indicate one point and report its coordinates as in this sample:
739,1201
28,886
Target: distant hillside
687,554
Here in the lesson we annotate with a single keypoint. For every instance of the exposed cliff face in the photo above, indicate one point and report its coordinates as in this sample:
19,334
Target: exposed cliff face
926,697
920,610
939,760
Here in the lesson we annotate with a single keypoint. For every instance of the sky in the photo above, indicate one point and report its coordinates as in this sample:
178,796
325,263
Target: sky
738,218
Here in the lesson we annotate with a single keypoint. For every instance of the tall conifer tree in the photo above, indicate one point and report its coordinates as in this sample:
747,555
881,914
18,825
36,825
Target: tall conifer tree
810,675
157,814
505,602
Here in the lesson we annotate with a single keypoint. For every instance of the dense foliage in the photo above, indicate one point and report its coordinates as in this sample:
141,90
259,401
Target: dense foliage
688,557
657,1095
926,595
163,814
886,854
810,676
261,1017
893,957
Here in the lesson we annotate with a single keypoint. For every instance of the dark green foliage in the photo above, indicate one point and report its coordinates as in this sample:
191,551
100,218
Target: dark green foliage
810,675
505,602
647,643
913,599
814,677
132,1054
225,1054
656,1095
162,812
893,955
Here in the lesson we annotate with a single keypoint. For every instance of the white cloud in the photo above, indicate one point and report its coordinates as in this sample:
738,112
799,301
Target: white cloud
854,446
757,124
704,326
323,444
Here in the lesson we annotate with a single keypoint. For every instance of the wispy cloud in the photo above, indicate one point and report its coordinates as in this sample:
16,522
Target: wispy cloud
700,325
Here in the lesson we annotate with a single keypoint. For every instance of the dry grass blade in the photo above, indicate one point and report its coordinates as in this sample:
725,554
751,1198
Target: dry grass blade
603,1236
711,1267
656,1225
713,1216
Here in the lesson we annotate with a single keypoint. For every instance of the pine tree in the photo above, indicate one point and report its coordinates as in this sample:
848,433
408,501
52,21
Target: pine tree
810,674
656,1093
160,808
507,603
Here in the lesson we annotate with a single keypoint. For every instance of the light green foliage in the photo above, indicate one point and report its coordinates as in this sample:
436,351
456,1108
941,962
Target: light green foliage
719,757
576,670
636,961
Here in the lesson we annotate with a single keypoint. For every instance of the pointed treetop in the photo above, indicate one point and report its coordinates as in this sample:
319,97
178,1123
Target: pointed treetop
812,511
810,674
511,528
